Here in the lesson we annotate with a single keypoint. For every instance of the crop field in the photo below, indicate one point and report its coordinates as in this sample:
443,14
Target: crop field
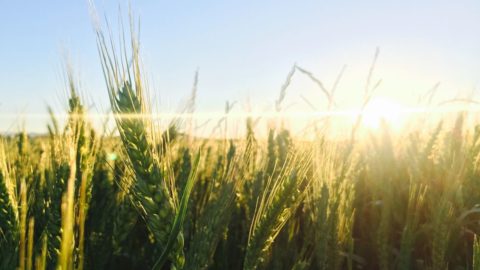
145,196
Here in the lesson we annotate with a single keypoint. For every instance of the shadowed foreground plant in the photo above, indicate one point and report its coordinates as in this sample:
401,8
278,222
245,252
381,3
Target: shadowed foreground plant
9,219
214,220
281,197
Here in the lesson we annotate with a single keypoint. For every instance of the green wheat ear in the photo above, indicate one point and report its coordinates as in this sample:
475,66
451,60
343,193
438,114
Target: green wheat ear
214,219
176,231
152,191
280,199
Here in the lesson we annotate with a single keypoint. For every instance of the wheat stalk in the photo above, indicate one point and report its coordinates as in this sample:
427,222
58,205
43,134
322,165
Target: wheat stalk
281,197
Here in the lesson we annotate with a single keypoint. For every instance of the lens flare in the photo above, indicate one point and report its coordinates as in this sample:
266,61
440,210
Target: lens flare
383,109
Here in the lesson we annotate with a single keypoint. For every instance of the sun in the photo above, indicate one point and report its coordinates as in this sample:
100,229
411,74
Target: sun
383,109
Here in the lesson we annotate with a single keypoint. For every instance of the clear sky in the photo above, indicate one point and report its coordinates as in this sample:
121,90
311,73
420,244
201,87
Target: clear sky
243,50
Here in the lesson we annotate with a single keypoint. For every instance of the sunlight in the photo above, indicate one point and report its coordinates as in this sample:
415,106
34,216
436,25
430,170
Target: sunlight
379,109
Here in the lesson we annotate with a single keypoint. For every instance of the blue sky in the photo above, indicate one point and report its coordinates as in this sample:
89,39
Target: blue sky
243,50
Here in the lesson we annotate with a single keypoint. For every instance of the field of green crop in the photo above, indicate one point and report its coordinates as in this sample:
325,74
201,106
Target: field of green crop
145,198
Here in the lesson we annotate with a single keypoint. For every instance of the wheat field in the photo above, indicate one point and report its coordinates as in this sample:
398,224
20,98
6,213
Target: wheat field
146,197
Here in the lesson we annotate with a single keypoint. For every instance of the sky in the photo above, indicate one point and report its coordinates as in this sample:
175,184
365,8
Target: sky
243,51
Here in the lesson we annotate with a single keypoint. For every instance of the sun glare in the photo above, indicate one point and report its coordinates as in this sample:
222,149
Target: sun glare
382,109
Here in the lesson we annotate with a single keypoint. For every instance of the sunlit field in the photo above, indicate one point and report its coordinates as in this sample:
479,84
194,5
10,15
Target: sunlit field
379,185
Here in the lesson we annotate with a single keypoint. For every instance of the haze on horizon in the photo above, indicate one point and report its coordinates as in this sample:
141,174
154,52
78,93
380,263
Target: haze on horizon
243,52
